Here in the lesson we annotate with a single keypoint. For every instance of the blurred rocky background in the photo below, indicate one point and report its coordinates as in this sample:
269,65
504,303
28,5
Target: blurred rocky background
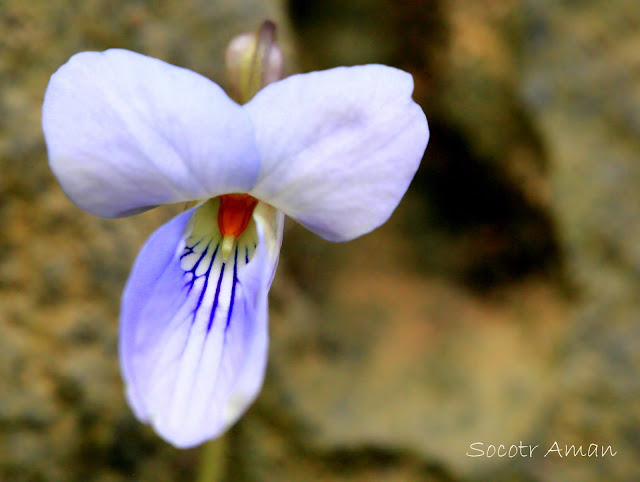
500,304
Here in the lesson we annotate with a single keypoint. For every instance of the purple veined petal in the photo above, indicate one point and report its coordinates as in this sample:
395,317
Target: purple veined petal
338,147
271,222
126,132
194,334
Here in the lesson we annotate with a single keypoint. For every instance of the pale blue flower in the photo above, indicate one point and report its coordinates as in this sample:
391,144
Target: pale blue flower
334,150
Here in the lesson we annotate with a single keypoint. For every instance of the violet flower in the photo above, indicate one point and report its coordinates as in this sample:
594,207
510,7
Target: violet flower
334,150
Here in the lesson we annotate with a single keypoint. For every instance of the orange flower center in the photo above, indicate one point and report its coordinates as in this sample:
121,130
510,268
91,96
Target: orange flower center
235,213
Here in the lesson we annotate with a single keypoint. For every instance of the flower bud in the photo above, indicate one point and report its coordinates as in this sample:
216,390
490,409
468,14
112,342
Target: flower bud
254,60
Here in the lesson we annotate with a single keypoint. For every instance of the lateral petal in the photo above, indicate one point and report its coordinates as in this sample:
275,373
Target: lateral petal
126,132
338,147
194,335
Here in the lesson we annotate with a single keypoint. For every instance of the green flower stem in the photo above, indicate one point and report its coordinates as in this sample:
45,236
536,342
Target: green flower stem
212,461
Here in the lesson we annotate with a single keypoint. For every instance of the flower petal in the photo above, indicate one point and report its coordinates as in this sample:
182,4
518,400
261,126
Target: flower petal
126,132
339,147
194,335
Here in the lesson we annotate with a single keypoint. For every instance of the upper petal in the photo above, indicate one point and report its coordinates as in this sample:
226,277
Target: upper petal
194,336
338,147
126,132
